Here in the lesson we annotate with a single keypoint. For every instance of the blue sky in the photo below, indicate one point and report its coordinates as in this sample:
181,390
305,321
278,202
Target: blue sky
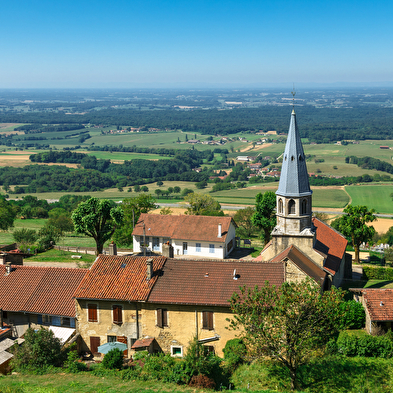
193,43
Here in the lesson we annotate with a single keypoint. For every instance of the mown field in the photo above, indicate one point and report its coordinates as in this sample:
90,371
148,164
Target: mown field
376,196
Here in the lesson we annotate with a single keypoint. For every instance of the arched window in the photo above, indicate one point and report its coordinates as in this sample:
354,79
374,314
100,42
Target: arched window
280,205
291,207
304,206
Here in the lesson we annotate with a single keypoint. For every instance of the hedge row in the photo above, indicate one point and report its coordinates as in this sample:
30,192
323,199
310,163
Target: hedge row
377,273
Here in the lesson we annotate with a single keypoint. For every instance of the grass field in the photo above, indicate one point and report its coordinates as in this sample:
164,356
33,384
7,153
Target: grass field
376,196
61,256
333,197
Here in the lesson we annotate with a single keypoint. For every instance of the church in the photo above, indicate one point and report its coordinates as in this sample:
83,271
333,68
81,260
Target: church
308,246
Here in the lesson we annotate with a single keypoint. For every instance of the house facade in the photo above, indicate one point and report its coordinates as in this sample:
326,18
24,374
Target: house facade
39,296
198,236
162,304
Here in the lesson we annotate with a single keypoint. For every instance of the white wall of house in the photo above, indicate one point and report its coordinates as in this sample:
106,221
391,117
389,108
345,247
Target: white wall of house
217,250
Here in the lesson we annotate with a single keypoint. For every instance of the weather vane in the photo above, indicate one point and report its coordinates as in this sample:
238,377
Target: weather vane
293,95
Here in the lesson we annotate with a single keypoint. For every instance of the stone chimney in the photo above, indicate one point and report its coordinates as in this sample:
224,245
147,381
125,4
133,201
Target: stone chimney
167,250
219,230
7,268
112,249
149,264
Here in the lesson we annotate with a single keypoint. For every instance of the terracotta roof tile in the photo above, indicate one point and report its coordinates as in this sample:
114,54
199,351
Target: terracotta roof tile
302,262
211,282
42,290
142,343
184,227
379,303
331,243
116,277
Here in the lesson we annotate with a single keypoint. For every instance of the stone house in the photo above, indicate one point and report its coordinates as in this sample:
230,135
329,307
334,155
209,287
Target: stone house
199,236
39,296
378,305
162,304
308,246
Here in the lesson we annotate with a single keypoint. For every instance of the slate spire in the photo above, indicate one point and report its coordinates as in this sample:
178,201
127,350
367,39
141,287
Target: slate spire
294,177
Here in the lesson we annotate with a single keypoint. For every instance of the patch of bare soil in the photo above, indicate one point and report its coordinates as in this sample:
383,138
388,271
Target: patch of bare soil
257,147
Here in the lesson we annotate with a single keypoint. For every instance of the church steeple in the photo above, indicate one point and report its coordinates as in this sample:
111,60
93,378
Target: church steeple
294,177
294,193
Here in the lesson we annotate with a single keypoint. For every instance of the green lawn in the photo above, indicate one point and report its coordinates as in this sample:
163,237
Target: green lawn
375,196
61,256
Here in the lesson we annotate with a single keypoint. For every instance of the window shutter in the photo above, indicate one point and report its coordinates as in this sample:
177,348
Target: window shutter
117,314
204,320
164,317
92,310
159,318
210,320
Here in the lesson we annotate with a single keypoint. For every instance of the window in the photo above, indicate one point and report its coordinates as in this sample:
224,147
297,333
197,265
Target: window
117,314
304,206
162,317
56,321
291,207
207,320
39,319
47,320
198,247
5,315
156,244
280,205
185,248
65,321
92,313
176,351
211,248
111,339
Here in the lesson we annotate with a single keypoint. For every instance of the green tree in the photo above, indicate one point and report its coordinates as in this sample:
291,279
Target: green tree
245,225
7,214
97,219
160,183
287,323
353,225
40,350
202,205
264,217
24,236
145,189
132,208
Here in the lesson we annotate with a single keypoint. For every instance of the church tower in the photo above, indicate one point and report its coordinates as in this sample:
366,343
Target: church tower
293,200
294,194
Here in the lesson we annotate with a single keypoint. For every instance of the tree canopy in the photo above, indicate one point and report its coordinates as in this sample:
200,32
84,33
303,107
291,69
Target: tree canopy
132,209
353,225
98,219
287,323
264,217
202,205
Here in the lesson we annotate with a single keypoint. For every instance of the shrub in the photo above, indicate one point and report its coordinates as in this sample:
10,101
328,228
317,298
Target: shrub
202,381
113,359
234,353
40,350
377,273
354,315
72,364
365,345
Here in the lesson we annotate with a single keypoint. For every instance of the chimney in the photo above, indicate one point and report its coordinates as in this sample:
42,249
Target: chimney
7,268
112,249
149,264
219,230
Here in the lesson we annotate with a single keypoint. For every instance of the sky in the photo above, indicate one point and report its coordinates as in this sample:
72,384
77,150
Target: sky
194,43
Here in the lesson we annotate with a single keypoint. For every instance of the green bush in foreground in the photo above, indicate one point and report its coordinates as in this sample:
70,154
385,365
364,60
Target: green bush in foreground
113,359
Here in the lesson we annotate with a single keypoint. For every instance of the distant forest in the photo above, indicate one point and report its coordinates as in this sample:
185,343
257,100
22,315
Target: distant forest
321,125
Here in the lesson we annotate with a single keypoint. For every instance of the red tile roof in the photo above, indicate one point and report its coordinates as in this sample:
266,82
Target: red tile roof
330,243
184,227
142,343
211,282
304,263
115,277
379,303
41,290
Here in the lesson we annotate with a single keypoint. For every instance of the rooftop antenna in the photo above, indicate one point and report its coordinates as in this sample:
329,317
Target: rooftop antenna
293,97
